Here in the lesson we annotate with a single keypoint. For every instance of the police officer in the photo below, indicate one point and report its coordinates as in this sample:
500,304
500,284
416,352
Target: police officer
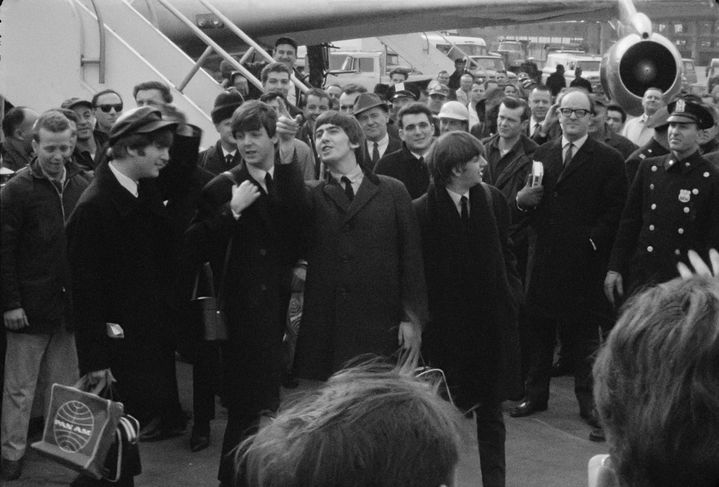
657,146
673,206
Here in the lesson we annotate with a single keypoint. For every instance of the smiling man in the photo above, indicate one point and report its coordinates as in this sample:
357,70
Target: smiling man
635,129
673,207
365,289
88,144
35,280
119,241
416,130
575,213
373,115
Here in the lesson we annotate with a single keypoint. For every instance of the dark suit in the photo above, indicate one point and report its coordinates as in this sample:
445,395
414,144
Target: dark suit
650,149
576,223
212,160
472,334
393,145
403,165
365,274
256,285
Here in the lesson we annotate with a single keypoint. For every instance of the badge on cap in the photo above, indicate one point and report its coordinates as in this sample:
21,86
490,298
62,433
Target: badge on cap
680,106
685,195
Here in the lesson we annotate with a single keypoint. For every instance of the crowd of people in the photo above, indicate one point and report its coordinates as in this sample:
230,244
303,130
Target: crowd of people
479,224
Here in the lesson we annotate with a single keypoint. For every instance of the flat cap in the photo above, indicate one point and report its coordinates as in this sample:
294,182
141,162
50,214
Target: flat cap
402,90
367,101
74,101
142,120
439,89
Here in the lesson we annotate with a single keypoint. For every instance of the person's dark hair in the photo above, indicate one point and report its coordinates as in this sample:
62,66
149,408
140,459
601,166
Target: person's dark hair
159,138
617,108
656,386
12,120
352,88
271,96
512,103
452,150
286,40
540,87
348,123
252,115
560,67
414,109
51,120
317,92
154,85
97,95
575,89
274,68
366,426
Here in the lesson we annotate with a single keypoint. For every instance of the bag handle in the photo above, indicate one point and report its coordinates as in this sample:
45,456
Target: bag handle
102,388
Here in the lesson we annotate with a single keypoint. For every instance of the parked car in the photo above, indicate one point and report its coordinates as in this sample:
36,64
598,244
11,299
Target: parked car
563,57
486,67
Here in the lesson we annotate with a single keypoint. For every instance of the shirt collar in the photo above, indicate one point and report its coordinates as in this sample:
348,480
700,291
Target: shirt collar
457,198
125,182
225,153
381,143
577,143
60,180
355,175
260,174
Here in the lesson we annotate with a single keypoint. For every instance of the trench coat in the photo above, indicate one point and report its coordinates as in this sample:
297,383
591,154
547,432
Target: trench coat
576,223
364,275
472,333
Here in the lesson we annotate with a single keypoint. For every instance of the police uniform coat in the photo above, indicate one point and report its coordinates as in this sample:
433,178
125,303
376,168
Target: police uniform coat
364,274
650,149
576,223
673,206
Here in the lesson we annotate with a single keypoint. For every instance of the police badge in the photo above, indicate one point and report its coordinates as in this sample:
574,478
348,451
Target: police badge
685,195
680,106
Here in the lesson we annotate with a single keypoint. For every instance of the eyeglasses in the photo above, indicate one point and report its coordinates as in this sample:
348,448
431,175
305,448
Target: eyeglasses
107,108
579,112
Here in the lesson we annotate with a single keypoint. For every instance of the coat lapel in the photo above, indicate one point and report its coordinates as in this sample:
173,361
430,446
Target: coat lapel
367,190
580,158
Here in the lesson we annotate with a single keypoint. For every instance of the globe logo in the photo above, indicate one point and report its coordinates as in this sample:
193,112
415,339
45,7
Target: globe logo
72,426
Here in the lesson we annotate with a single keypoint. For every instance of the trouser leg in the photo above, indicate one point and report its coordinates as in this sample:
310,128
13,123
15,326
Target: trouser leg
491,435
543,331
585,341
204,377
240,424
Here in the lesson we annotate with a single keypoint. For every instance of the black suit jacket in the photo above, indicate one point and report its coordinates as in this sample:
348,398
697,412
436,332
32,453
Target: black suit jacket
211,160
576,223
402,165
394,145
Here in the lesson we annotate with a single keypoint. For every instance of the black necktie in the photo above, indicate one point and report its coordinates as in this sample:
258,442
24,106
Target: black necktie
269,184
568,154
228,159
375,154
464,211
349,192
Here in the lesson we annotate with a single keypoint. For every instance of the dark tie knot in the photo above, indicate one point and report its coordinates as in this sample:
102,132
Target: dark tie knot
349,191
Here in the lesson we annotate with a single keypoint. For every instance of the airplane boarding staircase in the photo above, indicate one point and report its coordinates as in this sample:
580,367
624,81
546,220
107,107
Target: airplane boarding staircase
53,50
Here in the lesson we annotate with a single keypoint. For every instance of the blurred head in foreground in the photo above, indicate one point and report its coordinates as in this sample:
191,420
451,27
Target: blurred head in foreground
657,387
367,426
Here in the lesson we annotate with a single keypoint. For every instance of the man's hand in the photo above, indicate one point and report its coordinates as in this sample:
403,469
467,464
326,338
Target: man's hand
551,118
287,128
243,195
410,339
299,276
15,319
700,267
613,286
529,196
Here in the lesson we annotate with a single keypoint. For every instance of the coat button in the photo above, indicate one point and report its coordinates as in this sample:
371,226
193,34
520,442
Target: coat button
686,209
695,191
650,249
677,252
651,186
654,168
680,231
651,228
654,206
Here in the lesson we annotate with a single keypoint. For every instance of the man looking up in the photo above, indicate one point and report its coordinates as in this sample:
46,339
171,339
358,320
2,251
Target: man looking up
17,128
365,290
36,280
373,115
635,129
407,164
107,106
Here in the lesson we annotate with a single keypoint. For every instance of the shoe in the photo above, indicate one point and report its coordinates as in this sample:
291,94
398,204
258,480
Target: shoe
526,408
200,437
11,469
597,435
561,368
590,417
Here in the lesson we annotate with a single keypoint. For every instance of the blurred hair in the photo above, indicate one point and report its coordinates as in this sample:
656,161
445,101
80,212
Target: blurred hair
252,115
451,150
12,120
368,426
618,108
153,85
513,103
656,386
275,67
414,109
52,121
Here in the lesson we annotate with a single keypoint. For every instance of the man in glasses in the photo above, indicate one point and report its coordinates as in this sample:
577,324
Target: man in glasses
107,105
575,213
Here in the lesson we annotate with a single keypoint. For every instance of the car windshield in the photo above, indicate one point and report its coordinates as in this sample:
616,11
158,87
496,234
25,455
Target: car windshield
489,63
588,65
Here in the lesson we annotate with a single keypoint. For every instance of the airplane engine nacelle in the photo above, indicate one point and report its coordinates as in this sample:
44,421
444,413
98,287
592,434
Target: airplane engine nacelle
636,63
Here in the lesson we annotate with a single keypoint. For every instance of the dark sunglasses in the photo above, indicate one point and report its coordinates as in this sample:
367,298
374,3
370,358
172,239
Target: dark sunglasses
107,108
